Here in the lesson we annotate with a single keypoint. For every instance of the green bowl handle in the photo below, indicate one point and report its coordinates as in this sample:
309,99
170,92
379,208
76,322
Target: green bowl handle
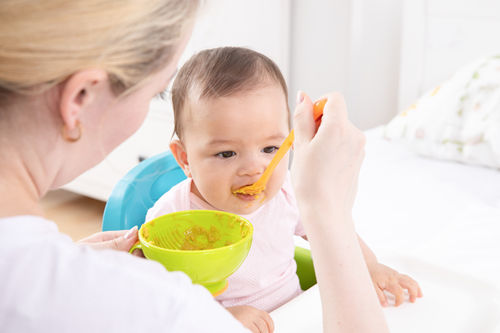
137,245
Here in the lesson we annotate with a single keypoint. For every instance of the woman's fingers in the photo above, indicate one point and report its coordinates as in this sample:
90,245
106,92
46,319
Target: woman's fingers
103,236
138,253
335,109
303,120
120,244
121,240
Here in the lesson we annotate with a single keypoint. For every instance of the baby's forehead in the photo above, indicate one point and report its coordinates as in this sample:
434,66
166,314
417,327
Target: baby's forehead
259,96
239,110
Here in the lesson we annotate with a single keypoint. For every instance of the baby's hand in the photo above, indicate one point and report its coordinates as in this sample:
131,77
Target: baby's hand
385,278
255,320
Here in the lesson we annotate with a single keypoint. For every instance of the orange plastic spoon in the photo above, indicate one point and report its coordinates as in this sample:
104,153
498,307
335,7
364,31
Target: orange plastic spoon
260,184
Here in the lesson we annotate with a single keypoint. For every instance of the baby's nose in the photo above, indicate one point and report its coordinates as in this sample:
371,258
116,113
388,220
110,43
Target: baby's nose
252,167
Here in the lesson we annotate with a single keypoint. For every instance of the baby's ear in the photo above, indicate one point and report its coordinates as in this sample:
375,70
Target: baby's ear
177,149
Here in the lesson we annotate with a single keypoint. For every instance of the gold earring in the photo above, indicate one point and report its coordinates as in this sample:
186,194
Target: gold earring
68,136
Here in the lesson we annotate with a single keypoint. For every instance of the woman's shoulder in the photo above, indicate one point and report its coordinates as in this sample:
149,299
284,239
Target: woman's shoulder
25,224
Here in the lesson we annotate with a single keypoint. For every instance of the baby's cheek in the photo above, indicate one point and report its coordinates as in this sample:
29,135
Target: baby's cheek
216,187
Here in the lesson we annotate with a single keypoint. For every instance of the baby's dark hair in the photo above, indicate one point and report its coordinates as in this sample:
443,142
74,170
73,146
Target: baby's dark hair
221,72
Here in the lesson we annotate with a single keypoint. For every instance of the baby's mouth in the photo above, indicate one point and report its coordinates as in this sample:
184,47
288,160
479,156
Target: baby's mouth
246,197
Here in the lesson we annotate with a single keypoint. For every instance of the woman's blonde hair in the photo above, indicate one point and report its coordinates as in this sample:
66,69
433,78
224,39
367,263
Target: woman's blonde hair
44,42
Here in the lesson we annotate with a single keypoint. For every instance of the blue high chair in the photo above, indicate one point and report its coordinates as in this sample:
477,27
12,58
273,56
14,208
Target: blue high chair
142,186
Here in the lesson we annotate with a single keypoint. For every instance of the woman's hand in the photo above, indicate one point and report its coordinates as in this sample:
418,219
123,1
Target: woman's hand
326,164
255,320
121,240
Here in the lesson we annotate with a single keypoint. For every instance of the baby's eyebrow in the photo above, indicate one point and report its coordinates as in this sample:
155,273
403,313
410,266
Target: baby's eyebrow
279,137
219,141
276,137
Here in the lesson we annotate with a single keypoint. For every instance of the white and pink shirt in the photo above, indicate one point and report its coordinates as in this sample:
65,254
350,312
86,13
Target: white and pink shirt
267,278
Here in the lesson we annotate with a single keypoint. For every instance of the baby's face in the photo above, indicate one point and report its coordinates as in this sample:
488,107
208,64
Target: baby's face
229,142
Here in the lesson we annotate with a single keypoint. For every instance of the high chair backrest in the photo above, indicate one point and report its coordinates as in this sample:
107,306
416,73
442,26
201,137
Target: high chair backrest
139,189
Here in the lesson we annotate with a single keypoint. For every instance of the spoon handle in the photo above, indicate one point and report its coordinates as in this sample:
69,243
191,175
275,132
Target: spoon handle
285,146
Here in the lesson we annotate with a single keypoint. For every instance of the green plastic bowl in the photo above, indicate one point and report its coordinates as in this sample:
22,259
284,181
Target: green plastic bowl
207,245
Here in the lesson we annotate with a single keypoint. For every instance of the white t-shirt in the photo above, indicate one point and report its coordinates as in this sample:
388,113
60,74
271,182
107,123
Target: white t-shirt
50,284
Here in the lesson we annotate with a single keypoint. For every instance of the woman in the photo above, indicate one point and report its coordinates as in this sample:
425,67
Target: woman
76,78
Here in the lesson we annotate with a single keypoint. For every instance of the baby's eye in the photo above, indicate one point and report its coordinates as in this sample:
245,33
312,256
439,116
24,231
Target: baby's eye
270,149
226,154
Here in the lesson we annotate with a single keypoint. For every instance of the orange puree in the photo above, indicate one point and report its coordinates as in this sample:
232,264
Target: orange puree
199,238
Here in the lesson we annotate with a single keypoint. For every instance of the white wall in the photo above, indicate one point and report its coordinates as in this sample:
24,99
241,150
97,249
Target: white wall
351,46
440,36
319,47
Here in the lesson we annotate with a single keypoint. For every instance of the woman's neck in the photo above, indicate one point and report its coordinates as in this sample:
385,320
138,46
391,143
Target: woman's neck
29,153
19,191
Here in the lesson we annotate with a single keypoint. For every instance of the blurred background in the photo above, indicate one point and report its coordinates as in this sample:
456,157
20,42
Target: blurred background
381,54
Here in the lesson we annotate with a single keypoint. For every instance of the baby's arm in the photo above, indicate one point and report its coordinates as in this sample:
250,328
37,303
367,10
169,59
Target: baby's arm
385,278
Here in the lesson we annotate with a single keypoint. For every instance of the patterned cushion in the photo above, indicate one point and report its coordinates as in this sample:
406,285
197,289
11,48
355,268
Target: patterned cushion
458,120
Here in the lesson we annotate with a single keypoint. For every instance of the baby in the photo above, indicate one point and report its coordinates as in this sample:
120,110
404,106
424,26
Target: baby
231,115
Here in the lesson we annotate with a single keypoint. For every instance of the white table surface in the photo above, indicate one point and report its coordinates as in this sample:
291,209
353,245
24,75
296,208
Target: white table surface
451,303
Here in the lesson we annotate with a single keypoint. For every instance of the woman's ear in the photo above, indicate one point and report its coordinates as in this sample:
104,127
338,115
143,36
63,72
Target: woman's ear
78,92
177,149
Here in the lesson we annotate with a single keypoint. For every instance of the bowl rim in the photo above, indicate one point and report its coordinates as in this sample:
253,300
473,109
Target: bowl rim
197,211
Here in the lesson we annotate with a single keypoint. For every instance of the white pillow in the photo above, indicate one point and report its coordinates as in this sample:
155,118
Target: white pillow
459,120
